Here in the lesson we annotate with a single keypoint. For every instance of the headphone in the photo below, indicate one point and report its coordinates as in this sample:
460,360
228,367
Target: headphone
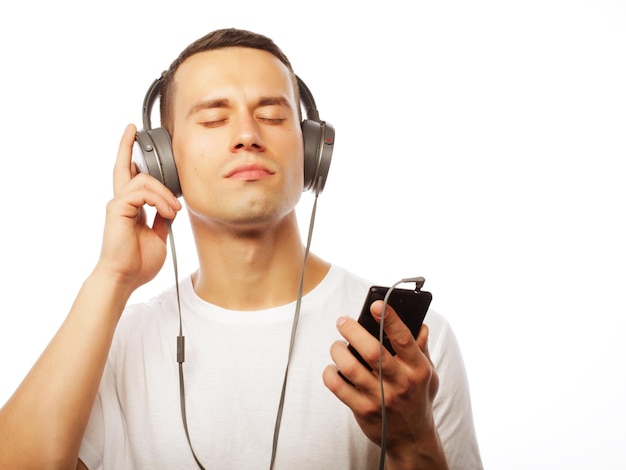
153,152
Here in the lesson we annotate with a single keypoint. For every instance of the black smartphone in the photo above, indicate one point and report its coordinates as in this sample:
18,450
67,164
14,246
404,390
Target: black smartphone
410,305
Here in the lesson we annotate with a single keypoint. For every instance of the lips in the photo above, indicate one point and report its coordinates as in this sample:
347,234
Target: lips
249,172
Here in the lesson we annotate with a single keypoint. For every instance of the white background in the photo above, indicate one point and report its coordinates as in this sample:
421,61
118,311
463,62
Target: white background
480,144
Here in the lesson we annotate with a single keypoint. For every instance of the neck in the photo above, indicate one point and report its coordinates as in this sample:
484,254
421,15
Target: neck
254,269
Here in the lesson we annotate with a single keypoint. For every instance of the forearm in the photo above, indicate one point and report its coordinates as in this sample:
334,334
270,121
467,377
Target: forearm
43,422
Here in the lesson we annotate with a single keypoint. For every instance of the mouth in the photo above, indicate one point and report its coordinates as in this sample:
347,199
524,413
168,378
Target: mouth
249,172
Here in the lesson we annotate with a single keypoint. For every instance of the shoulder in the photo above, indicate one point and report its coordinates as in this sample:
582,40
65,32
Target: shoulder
442,342
340,287
142,318
440,331
340,281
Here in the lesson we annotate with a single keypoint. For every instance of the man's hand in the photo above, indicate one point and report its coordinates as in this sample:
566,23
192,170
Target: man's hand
133,252
410,386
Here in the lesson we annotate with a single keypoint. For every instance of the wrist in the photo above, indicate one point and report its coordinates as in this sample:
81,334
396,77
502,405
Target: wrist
112,285
424,453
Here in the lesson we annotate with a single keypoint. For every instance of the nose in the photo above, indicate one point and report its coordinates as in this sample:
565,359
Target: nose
247,135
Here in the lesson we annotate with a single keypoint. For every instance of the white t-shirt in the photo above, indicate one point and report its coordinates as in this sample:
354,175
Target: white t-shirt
234,369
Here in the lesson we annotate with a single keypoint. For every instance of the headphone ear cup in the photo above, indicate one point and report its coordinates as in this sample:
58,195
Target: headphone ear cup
152,154
319,139
311,132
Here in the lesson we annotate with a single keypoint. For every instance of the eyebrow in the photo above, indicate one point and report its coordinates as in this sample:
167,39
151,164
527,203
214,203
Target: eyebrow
224,103
208,104
274,100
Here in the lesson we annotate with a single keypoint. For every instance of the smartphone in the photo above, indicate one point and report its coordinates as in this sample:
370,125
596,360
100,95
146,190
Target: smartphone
410,305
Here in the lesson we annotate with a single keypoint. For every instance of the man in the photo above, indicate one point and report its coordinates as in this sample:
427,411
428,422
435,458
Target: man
105,393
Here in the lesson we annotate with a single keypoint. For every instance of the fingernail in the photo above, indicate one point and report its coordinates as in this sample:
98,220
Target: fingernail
341,321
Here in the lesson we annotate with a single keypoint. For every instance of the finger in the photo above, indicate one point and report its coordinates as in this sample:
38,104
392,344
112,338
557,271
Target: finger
333,381
346,393
351,368
399,334
142,190
364,345
122,172
161,226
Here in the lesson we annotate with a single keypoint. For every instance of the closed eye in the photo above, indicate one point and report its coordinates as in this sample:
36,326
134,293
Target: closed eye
272,121
273,110
213,122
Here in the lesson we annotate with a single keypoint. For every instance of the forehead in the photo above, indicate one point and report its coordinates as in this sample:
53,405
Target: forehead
233,72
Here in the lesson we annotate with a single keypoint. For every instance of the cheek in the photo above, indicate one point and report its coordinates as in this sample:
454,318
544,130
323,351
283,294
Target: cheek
191,161
299,175
192,145
296,161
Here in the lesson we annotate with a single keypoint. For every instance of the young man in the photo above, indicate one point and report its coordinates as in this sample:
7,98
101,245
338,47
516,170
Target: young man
106,392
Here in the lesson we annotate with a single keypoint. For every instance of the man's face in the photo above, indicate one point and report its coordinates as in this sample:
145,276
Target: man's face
236,137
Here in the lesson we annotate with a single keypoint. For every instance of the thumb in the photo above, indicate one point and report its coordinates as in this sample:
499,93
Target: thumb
422,341
398,332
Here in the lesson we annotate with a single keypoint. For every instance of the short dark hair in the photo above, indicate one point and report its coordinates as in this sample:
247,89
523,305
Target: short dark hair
217,39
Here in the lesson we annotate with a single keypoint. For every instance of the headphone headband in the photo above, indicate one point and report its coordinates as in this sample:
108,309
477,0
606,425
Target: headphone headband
152,94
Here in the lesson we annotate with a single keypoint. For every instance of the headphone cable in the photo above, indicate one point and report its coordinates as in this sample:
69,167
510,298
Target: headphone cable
180,340
294,327
381,335
180,346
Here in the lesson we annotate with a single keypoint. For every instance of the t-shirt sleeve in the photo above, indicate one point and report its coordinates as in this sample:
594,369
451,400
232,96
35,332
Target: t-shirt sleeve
92,446
452,408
